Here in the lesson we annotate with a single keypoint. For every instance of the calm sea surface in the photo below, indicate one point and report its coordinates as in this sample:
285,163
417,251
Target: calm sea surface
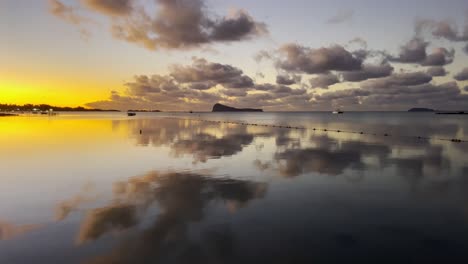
177,188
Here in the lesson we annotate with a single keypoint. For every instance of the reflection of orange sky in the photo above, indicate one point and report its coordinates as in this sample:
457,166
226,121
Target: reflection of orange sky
25,136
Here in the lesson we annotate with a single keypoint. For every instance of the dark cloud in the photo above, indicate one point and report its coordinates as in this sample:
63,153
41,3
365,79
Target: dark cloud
184,24
439,57
110,7
238,26
415,52
288,79
462,75
396,92
368,71
280,90
341,94
442,29
436,71
412,52
203,71
296,58
398,79
324,80
202,85
341,17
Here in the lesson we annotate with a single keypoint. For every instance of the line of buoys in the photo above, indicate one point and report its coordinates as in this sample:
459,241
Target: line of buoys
455,140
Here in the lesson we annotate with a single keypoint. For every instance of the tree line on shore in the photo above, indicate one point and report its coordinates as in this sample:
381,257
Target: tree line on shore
44,107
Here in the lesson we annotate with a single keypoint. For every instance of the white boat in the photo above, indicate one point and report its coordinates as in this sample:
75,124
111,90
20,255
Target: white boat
338,111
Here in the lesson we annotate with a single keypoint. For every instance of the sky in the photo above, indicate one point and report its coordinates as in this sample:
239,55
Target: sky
296,55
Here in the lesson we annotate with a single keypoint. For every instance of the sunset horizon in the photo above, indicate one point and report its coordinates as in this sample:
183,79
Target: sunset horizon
233,131
136,54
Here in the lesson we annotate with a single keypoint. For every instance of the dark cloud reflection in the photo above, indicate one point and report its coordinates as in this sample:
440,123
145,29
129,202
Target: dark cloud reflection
182,198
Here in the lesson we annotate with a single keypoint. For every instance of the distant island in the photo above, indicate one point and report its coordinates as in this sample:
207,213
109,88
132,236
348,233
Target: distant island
46,107
421,110
144,111
225,108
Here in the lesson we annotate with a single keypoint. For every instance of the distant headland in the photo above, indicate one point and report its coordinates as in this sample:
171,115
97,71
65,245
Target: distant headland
420,109
46,107
225,108
143,111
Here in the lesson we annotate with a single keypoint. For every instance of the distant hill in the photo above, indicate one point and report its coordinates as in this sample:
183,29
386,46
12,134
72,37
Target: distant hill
421,110
225,108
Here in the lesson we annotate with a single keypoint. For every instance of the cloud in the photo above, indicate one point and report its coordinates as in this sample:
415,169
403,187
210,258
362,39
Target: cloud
204,146
415,52
202,71
465,89
237,26
70,15
65,12
407,92
412,52
324,80
439,57
9,231
110,7
462,75
368,71
197,87
300,59
286,79
65,207
436,71
465,49
277,89
103,220
398,79
182,199
341,17
184,24
359,41
442,29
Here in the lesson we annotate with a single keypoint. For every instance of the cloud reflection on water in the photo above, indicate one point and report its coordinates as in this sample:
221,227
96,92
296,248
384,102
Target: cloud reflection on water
182,198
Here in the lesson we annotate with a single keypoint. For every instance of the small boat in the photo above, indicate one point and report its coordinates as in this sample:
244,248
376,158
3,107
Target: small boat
131,114
338,111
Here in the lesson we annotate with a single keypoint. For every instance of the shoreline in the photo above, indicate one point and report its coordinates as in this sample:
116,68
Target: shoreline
5,115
